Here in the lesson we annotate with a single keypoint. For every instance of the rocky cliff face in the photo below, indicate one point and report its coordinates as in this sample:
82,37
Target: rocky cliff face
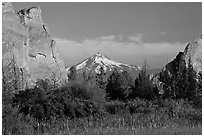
28,51
191,55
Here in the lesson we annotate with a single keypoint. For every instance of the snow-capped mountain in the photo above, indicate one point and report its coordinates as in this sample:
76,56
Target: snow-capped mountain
95,63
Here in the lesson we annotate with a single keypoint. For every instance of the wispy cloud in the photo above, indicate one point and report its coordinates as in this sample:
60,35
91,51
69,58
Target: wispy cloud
136,38
111,37
132,50
163,33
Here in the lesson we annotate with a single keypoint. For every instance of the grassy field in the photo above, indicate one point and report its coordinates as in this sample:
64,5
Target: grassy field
119,124
121,130
134,131
129,125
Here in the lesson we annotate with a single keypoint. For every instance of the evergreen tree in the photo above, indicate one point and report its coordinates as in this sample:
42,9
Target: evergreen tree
126,85
118,86
143,85
191,83
166,79
180,81
185,81
197,100
181,84
100,78
199,84
112,86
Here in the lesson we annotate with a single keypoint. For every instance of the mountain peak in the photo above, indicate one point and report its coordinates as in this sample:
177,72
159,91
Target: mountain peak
99,54
98,60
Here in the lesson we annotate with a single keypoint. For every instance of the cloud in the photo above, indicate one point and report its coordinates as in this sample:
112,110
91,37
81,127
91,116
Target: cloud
136,38
163,33
131,51
111,37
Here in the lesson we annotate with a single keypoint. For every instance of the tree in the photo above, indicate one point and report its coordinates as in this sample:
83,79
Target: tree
143,85
100,78
45,85
199,84
127,84
181,83
112,86
197,100
119,86
191,83
184,81
166,80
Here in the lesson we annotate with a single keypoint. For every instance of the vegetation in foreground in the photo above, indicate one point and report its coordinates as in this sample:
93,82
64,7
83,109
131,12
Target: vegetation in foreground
118,106
166,117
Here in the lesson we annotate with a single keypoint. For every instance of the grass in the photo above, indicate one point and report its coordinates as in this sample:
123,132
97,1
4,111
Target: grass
134,131
116,126
129,130
124,124
179,130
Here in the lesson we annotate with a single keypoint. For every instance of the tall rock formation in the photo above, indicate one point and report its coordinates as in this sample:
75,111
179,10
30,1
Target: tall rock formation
28,51
191,55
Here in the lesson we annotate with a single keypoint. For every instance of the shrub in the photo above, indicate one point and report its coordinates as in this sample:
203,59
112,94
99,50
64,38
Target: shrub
80,91
84,100
141,106
115,107
71,100
136,105
181,111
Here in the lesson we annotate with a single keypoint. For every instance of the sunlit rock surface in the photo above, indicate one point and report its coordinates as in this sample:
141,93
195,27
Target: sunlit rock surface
28,51
191,55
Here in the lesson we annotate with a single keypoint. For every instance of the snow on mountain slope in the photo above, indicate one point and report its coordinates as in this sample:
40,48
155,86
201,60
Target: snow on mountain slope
81,65
94,64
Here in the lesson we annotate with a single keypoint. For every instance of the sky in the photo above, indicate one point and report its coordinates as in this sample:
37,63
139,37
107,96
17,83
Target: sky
125,32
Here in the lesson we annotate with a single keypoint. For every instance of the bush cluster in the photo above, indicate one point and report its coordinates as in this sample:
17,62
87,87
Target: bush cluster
72,100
